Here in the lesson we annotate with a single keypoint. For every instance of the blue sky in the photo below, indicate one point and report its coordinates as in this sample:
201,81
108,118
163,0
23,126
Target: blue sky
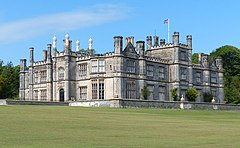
28,23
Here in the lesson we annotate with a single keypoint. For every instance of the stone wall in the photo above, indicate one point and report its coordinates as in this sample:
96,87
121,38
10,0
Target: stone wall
127,103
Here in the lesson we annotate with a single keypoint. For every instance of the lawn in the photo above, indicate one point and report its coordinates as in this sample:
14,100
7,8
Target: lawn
63,126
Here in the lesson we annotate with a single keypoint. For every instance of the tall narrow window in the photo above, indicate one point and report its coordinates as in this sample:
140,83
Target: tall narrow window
151,90
44,94
82,69
198,77
131,90
150,70
61,73
83,93
162,92
36,77
101,64
161,73
35,94
183,55
213,77
183,72
94,66
98,89
94,89
43,76
130,66
101,89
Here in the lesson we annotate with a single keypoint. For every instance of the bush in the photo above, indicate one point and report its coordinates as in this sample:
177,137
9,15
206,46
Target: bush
207,97
191,94
145,93
174,94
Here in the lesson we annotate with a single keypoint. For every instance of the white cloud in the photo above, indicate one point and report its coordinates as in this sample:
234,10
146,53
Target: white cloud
32,27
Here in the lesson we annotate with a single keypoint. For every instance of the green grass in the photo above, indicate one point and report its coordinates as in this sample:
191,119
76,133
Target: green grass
59,126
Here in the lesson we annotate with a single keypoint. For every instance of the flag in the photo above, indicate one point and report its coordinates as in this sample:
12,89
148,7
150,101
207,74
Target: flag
165,21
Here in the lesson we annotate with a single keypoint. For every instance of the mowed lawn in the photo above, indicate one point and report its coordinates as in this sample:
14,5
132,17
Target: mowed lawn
63,126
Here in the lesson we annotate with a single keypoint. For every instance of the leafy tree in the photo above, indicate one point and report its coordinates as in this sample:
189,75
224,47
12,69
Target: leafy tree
145,93
207,96
191,94
174,94
231,63
9,80
195,58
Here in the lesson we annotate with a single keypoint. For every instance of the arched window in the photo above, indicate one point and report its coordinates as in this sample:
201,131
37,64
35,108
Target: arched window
60,73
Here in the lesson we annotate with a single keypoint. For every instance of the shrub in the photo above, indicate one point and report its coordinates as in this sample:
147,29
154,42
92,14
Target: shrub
145,93
174,94
191,94
207,97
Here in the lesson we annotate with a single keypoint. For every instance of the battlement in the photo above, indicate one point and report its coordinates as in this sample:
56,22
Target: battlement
155,59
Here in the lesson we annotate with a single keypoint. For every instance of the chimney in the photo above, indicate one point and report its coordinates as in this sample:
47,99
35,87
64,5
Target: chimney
149,42
44,55
49,54
118,44
156,41
23,65
189,41
131,38
162,42
176,39
140,47
31,56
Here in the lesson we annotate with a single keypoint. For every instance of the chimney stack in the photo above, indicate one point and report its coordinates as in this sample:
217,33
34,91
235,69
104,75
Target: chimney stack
31,56
44,55
176,39
140,47
189,41
149,42
162,42
118,44
156,41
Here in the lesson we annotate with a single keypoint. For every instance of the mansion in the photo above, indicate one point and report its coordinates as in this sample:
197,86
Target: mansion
67,75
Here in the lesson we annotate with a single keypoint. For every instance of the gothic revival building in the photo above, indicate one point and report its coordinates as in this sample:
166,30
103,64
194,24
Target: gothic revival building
71,75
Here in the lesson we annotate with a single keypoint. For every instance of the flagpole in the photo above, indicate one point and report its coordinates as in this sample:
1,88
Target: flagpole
168,30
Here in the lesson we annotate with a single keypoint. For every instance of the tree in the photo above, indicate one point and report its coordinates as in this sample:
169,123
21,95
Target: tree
145,93
9,80
231,63
174,94
191,94
195,58
207,96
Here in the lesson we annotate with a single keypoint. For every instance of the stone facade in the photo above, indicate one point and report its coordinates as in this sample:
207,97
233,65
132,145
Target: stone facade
71,75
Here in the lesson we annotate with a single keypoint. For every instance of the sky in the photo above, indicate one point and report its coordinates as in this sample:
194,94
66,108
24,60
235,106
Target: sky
28,23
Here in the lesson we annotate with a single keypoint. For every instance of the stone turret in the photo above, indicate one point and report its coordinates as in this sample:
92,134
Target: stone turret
77,45
54,46
189,41
67,44
49,53
118,44
44,55
156,41
176,39
90,43
31,56
149,42
140,48
162,42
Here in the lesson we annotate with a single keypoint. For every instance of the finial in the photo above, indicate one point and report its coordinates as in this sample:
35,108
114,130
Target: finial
182,99
54,38
90,41
213,100
66,36
77,45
